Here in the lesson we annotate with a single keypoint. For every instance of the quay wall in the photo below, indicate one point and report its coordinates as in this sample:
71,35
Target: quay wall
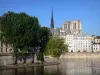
9,60
80,55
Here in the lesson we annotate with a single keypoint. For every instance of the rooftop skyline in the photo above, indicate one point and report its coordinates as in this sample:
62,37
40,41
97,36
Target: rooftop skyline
88,11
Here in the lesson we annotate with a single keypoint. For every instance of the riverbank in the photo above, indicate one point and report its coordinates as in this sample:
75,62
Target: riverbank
9,60
27,65
80,55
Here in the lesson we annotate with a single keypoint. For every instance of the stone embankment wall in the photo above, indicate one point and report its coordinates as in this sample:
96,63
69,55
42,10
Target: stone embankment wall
72,55
80,55
8,59
49,59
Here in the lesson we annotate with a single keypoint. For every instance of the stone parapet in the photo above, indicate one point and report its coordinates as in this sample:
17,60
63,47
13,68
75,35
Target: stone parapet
80,55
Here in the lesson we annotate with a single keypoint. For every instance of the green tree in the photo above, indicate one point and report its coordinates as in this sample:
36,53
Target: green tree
44,37
13,28
33,35
55,47
23,33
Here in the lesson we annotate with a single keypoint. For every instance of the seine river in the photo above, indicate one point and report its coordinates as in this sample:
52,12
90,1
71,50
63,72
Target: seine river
66,67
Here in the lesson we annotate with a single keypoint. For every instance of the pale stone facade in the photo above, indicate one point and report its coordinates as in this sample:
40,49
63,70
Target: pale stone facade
96,47
96,44
6,57
97,39
73,27
5,48
76,40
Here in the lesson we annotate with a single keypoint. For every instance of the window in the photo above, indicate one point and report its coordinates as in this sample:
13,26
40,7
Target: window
71,50
6,46
6,49
74,25
78,26
68,26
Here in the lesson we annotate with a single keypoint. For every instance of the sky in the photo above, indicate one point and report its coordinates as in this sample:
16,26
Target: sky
88,11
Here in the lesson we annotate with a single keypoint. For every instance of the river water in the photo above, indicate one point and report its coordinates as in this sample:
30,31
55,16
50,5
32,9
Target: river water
66,67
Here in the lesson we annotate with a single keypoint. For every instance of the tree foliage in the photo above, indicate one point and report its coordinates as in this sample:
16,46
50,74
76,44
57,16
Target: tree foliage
44,37
55,47
13,27
23,33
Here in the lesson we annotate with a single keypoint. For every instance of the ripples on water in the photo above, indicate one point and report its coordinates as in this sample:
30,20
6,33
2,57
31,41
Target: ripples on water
67,67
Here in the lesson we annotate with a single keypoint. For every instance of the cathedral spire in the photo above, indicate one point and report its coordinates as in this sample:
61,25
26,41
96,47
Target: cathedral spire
52,20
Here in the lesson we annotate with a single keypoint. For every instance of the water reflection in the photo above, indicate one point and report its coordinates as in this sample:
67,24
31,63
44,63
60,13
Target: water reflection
80,67
67,67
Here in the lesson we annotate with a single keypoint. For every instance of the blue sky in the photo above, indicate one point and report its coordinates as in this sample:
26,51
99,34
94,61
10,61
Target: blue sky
88,11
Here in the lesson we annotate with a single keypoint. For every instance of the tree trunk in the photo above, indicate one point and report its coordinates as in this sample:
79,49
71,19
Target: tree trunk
42,57
24,60
32,57
16,57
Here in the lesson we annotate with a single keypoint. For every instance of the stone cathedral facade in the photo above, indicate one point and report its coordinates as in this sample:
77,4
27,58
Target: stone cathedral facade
68,27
